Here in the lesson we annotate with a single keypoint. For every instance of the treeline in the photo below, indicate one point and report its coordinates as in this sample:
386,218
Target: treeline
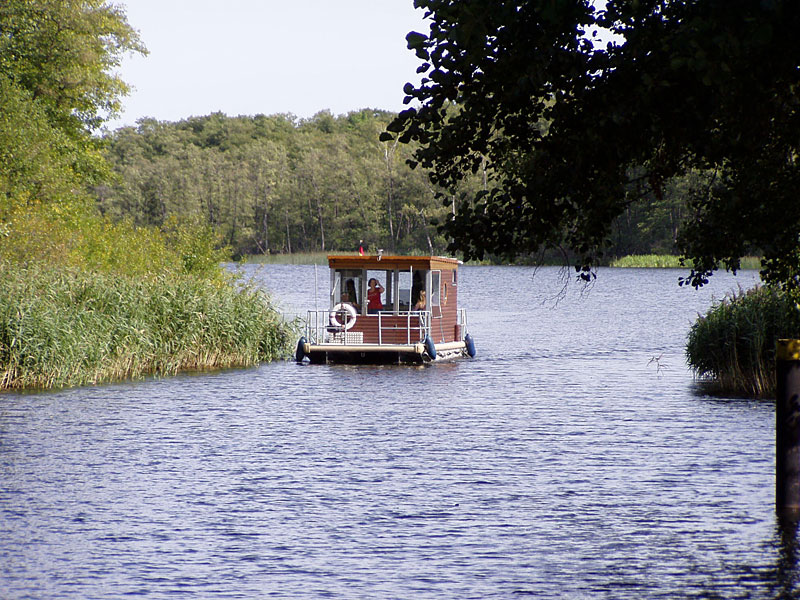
278,184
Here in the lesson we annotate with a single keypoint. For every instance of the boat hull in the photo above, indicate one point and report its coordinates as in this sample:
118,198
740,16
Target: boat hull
382,353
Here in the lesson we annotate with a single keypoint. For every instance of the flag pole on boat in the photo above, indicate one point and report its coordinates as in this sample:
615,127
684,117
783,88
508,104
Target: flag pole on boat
315,287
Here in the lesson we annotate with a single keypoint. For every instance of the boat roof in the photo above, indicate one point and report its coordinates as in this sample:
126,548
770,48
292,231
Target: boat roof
384,263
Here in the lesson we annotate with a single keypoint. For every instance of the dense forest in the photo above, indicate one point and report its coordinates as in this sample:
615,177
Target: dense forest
279,184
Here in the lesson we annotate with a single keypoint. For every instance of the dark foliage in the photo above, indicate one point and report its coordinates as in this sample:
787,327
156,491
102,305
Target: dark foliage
572,132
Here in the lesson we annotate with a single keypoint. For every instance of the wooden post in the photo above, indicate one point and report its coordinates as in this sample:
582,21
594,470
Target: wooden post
787,426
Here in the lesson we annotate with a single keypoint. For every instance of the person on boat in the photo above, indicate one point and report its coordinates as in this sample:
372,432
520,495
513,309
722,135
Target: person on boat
346,300
420,305
374,303
350,290
417,285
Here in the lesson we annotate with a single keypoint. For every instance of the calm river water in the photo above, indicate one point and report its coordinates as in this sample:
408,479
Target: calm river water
574,457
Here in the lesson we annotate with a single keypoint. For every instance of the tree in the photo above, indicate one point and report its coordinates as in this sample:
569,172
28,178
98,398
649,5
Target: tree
36,159
55,88
64,53
573,132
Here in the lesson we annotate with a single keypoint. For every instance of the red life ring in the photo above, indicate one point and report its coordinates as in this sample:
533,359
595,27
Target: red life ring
348,316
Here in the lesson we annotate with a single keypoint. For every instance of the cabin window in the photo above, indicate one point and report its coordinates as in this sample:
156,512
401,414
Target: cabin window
409,285
347,287
404,290
436,288
417,286
336,286
384,279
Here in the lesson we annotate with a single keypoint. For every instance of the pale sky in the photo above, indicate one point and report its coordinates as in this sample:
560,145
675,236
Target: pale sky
248,57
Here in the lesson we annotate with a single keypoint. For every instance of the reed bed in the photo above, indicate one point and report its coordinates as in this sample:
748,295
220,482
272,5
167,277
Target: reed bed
299,258
317,258
321,258
669,261
733,345
65,327
648,261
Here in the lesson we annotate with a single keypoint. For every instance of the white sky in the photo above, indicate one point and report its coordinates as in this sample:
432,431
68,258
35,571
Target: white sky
248,57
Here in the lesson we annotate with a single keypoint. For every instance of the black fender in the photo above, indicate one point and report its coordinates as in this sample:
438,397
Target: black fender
430,347
300,353
470,345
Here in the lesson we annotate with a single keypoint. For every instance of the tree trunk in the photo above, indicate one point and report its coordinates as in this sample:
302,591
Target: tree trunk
234,213
266,219
389,156
321,226
288,237
424,223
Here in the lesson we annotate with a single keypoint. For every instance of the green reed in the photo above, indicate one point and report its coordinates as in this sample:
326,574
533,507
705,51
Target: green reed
298,258
669,261
64,327
659,261
733,345
315,258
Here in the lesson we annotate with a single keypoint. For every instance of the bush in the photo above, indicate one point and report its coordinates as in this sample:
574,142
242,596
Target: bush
75,236
733,345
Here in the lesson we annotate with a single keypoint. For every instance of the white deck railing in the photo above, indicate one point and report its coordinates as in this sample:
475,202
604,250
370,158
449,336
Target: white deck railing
320,328
416,324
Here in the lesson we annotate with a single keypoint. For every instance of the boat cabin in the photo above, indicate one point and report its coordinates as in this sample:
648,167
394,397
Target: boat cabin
388,309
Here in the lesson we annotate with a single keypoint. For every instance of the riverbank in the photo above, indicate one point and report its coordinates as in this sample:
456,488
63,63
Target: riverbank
67,327
640,261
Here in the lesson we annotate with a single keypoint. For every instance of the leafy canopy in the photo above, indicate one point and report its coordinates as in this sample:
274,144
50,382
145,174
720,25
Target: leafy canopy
56,87
573,130
64,53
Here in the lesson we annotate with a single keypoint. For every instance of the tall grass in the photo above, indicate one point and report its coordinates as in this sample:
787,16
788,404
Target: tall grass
733,345
669,261
321,258
63,327
659,261
298,258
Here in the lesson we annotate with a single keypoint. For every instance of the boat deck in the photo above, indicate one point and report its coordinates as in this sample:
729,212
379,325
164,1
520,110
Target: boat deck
385,337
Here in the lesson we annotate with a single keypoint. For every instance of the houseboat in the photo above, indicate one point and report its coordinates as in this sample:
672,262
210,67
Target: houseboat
388,309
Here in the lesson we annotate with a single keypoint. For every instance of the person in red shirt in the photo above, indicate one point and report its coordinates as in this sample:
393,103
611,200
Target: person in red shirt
374,303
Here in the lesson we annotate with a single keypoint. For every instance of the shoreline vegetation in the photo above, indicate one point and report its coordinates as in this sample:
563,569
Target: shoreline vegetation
668,261
732,347
63,327
89,295
105,302
639,261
